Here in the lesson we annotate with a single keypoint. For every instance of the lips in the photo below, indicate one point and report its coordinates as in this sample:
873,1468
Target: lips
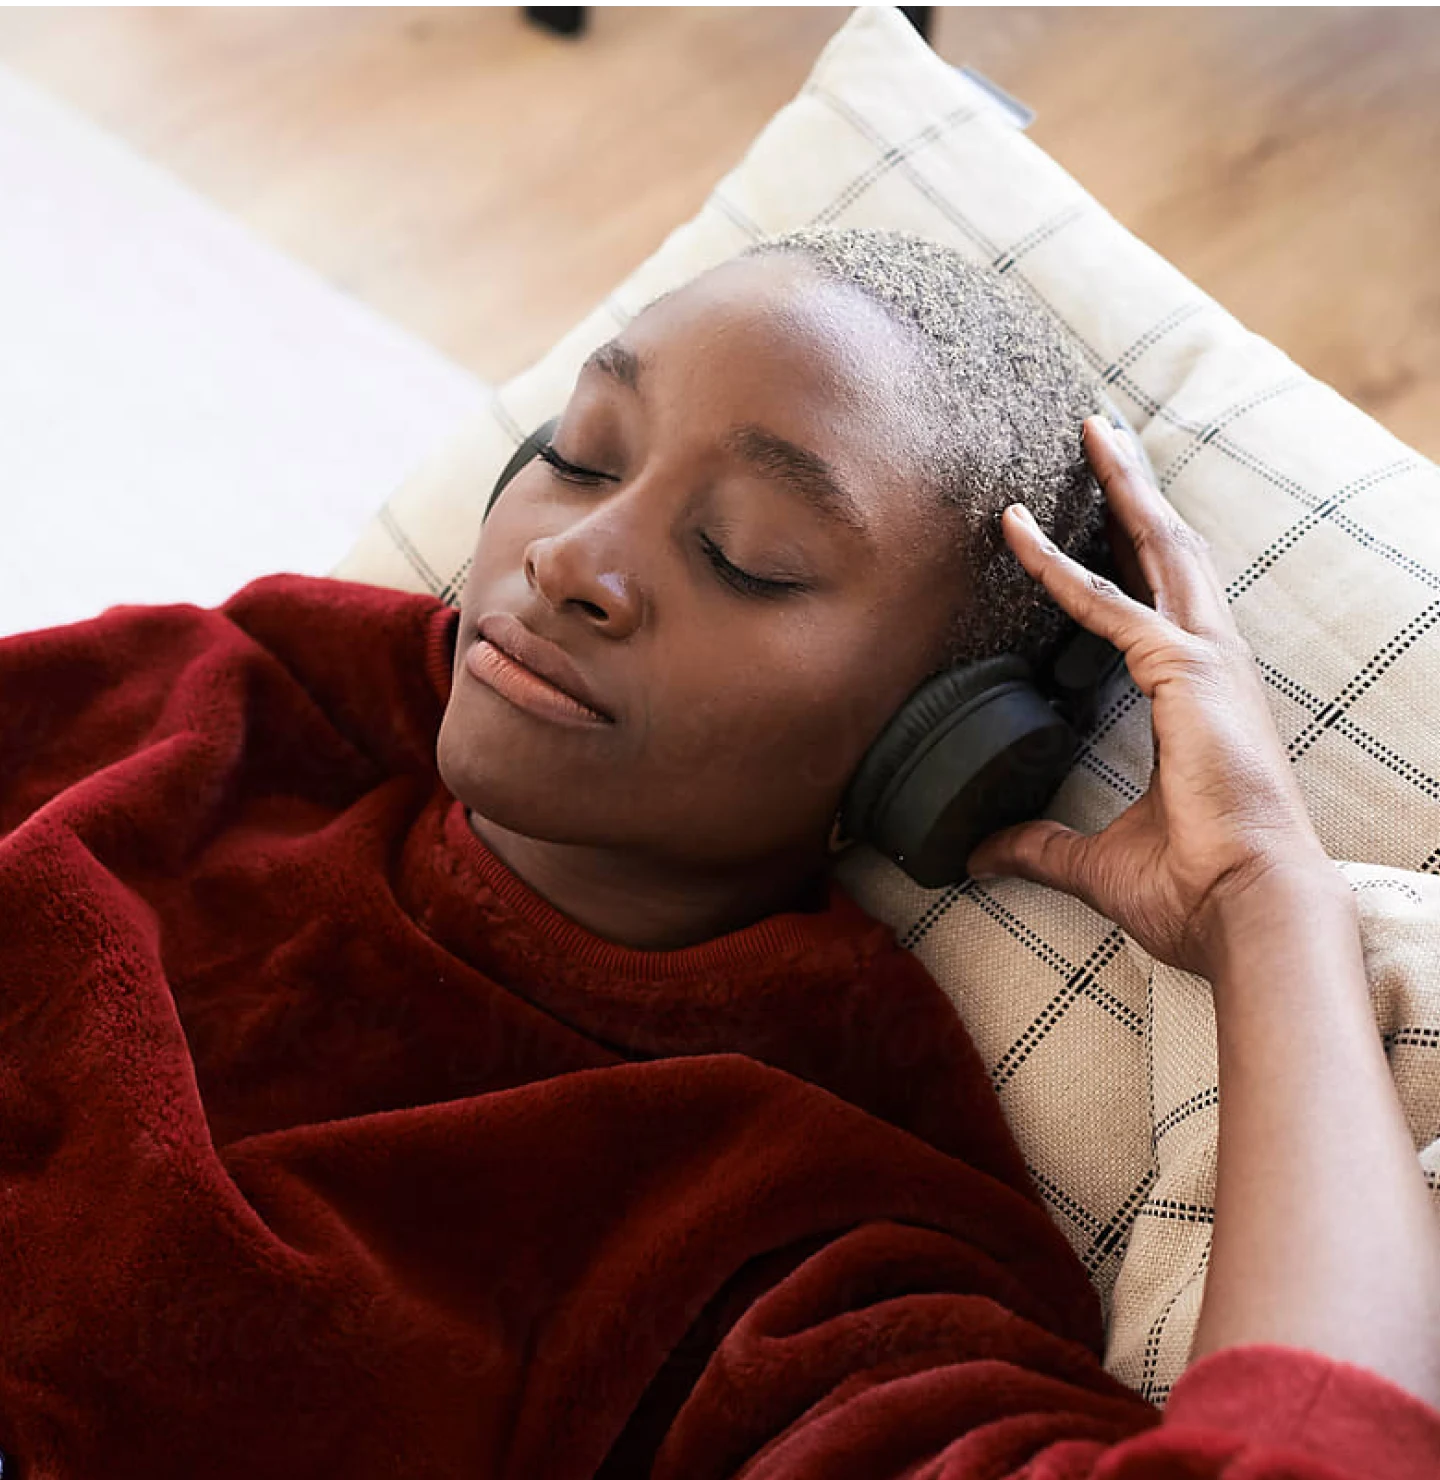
517,641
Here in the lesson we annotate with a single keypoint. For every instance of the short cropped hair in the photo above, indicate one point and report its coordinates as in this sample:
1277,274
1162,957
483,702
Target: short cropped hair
1001,393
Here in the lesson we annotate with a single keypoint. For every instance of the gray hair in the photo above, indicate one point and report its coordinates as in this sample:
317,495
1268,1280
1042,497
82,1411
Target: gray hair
1001,393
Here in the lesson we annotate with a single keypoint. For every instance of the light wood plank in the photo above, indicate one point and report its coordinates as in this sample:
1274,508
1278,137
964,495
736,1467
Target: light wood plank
485,183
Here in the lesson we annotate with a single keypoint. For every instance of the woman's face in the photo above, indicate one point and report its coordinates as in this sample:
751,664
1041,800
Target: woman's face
740,711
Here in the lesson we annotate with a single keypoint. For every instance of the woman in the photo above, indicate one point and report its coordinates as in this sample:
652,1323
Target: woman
413,1066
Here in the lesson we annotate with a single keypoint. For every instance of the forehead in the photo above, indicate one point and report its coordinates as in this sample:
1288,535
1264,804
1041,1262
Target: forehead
827,335
769,341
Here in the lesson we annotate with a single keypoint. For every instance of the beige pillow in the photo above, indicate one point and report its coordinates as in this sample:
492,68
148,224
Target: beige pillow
1326,531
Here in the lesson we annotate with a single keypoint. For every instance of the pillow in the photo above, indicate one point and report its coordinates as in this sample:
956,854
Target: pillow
1323,528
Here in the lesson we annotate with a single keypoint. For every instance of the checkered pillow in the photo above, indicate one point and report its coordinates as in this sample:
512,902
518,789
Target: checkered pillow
1326,532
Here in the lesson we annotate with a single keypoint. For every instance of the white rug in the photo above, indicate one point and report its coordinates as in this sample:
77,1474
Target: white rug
182,407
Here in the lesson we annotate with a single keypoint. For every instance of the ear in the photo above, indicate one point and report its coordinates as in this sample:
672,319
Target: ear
837,841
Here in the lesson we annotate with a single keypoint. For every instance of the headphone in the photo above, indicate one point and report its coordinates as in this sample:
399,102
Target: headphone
975,748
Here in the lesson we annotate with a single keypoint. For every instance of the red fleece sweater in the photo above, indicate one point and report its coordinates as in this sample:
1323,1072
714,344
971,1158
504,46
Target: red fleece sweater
329,1148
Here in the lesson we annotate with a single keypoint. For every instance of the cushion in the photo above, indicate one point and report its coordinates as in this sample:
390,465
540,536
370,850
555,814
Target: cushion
1322,527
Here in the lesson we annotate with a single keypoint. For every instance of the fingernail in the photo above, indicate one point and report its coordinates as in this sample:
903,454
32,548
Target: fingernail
1116,439
1025,517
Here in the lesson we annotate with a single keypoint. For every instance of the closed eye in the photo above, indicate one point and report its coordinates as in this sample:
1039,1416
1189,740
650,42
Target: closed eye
569,471
740,580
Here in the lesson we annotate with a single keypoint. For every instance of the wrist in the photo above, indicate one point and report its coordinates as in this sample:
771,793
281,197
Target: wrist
1301,897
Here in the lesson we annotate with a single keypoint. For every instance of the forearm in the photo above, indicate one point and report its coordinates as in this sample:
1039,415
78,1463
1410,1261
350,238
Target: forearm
1325,1234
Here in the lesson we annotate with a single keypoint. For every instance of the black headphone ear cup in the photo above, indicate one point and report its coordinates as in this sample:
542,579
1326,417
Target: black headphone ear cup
522,455
971,751
935,700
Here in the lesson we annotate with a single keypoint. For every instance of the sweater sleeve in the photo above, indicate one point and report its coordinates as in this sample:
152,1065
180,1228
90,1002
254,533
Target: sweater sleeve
348,665
78,698
1281,1406
954,1387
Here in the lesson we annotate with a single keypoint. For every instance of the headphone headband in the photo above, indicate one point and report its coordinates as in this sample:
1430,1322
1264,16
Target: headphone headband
527,449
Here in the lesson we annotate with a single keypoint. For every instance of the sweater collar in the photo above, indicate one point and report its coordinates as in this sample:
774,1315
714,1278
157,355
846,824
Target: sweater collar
784,935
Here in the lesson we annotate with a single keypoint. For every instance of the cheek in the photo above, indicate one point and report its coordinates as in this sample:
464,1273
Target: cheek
488,564
786,718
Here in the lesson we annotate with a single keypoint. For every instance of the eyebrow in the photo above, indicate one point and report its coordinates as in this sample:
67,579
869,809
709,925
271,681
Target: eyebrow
797,469
618,361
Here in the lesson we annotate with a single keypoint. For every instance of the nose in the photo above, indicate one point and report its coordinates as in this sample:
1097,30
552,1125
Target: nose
571,570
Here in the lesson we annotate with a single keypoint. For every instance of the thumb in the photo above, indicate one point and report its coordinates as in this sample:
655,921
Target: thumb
1046,852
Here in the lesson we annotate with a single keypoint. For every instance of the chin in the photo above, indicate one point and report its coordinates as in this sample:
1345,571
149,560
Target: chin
515,803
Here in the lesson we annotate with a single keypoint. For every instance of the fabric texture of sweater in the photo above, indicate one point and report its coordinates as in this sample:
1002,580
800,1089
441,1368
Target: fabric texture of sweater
328,1147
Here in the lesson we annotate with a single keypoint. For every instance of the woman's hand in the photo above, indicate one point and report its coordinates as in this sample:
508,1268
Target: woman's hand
1223,809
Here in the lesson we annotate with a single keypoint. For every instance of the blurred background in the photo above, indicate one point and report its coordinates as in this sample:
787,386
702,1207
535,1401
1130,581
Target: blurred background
465,185
485,182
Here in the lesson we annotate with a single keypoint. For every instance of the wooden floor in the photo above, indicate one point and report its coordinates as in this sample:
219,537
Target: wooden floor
485,183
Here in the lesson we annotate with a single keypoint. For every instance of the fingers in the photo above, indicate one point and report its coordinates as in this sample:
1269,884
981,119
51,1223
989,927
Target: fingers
1096,603
1045,852
1127,564
1172,556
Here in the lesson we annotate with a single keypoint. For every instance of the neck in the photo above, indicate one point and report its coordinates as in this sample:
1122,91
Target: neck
650,904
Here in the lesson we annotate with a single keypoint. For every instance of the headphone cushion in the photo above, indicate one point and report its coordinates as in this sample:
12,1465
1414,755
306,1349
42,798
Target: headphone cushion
934,702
